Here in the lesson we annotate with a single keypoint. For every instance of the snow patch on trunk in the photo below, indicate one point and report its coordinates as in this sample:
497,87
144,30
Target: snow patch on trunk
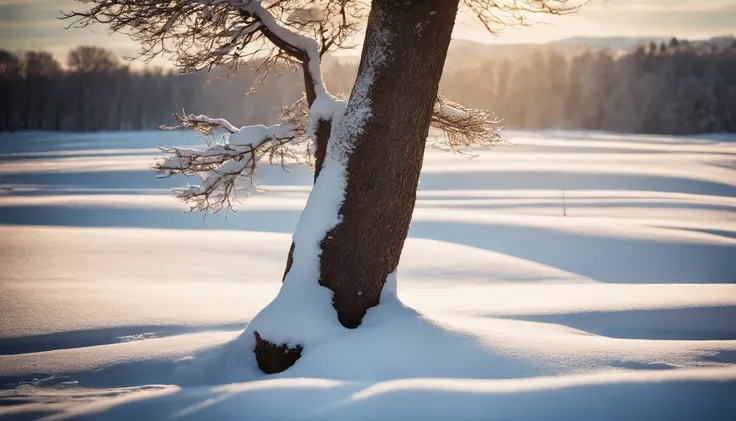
360,106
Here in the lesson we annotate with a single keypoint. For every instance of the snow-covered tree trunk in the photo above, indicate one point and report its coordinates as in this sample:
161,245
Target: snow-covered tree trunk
386,123
351,233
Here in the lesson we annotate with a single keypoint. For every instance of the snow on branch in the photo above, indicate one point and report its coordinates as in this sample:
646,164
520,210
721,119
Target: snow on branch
228,164
463,128
201,123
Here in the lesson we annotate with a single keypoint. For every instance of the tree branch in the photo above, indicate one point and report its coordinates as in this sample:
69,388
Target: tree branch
462,129
496,14
203,34
229,162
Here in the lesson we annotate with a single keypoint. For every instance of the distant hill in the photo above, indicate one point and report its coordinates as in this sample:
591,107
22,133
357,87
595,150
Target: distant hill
464,52
627,43
609,43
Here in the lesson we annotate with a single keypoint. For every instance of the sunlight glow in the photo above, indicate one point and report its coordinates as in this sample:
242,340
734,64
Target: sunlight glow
32,25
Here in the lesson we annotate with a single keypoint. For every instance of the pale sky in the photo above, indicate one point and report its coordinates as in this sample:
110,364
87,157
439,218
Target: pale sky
32,24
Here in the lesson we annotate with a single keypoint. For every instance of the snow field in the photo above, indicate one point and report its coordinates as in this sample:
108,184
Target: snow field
115,305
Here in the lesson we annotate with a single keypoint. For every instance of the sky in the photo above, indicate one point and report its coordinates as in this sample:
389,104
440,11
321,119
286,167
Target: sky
32,24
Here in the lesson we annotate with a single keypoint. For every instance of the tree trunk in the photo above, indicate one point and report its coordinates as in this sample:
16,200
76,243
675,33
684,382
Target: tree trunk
385,159
383,170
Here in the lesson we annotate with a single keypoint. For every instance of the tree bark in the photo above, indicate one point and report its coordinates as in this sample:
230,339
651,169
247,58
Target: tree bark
386,158
383,169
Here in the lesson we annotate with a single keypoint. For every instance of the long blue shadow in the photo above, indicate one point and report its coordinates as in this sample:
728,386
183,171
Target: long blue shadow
267,221
692,324
542,180
606,259
95,337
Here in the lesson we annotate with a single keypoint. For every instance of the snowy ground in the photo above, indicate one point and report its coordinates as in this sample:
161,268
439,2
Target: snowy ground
115,305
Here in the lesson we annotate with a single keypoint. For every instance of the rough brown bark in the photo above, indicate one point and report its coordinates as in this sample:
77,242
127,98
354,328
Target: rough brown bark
383,168
273,358
322,131
322,136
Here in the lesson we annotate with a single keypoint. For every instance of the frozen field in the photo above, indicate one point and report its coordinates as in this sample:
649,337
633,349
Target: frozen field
570,276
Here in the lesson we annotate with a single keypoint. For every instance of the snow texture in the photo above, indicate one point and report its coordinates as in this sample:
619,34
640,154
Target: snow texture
326,108
115,305
359,108
253,135
241,147
449,111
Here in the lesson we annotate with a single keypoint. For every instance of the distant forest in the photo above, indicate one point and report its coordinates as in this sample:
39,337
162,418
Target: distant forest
676,87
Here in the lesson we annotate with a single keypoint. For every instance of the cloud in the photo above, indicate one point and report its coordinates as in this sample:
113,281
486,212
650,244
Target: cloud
667,6
31,24
684,18
21,2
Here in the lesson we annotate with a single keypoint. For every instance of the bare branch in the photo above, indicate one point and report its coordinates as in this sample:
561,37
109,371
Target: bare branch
203,34
496,14
227,165
462,129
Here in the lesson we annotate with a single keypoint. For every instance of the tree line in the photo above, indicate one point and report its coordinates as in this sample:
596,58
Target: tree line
668,88
96,91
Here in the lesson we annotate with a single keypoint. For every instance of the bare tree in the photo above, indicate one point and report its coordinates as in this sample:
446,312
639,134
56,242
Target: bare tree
367,151
39,69
91,59
91,67
10,76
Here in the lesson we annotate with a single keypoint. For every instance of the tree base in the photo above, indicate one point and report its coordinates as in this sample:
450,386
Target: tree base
272,358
